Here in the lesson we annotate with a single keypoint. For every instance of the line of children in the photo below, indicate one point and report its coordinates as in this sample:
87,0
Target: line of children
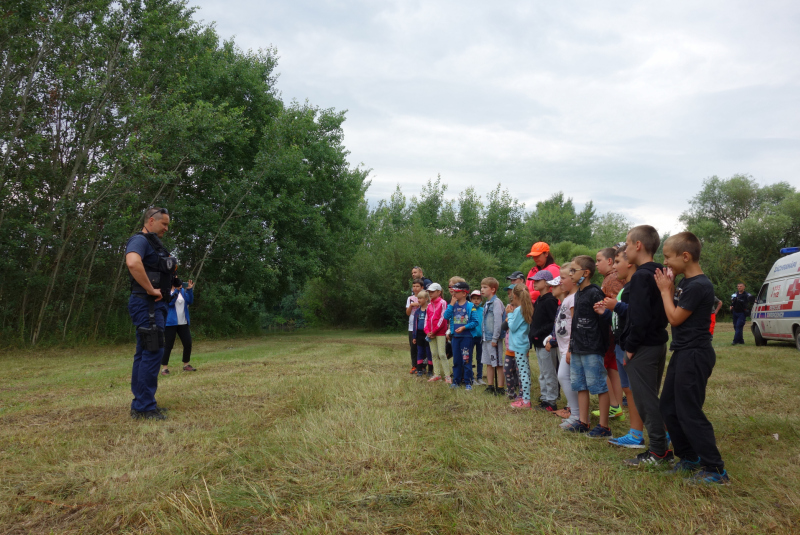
581,322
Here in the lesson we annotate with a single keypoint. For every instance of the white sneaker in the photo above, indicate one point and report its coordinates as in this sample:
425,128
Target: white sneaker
480,382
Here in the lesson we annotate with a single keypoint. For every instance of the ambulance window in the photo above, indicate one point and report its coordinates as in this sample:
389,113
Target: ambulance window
762,295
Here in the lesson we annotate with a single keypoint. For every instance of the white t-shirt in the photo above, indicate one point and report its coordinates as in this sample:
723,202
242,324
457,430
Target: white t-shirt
411,299
180,309
563,326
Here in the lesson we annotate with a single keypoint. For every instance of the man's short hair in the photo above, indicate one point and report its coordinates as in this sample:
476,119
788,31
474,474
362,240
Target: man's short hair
608,252
155,213
418,281
585,262
648,236
419,268
685,242
491,282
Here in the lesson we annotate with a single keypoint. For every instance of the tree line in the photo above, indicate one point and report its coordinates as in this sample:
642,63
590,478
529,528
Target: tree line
743,226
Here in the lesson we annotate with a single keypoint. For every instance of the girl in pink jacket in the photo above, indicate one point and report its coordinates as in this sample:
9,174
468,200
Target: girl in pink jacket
435,328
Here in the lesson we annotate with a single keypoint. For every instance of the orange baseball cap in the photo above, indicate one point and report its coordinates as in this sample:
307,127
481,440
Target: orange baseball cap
538,248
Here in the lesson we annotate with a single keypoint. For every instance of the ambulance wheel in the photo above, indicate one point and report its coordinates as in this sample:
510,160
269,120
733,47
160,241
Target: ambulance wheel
760,339
797,338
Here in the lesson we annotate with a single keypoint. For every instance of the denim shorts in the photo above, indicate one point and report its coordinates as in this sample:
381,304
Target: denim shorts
586,372
623,375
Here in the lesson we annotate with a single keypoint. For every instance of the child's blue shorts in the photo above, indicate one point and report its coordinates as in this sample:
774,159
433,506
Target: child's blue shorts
587,372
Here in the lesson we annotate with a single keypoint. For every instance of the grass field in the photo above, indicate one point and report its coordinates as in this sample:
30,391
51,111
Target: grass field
326,432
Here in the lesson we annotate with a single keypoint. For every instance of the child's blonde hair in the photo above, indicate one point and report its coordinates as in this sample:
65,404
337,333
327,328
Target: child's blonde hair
424,295
524,295
454,280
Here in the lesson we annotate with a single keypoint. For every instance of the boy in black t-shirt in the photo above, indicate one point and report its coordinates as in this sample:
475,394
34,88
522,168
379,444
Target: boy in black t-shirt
692,360
644,340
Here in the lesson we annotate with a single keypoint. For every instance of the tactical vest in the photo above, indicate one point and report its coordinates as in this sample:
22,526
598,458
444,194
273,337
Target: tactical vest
160,274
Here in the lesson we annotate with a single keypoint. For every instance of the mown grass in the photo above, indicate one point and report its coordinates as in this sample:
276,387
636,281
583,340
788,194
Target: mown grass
325,432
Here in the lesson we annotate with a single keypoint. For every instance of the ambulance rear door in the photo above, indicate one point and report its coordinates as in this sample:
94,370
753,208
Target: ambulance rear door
790,306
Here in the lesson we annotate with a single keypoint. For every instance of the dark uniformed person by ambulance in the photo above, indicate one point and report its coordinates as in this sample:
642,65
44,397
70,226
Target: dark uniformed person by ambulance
152,269
740,302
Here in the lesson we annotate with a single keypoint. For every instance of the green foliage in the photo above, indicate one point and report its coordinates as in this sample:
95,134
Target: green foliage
609,229
743,226
372,289
556,220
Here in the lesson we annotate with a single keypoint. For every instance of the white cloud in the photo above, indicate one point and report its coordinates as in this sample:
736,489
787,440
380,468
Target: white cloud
628,104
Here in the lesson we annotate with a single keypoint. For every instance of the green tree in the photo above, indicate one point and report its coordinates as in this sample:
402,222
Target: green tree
500,225
109,107
556,219
428,207
609,229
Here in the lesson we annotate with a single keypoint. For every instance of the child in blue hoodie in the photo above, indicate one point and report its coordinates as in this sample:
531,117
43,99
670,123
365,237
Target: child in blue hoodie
463,318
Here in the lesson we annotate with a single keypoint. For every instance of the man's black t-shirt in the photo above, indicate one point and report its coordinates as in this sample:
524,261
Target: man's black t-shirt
695,294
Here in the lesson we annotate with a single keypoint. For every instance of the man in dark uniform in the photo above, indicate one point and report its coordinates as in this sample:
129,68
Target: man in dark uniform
152,268
740,301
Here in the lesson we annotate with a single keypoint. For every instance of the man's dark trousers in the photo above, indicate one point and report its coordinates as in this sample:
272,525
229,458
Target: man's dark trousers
645,371
682,407
146,364
738,326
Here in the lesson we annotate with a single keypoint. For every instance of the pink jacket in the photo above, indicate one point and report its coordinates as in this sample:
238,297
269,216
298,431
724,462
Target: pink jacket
552,268
435,324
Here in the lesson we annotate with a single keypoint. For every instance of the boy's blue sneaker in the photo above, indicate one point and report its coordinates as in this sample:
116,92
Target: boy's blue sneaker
628,441
706,476
577,427
599,432
687,466
468,387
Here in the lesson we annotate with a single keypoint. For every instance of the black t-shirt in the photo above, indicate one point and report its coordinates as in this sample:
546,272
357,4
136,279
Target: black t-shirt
695,294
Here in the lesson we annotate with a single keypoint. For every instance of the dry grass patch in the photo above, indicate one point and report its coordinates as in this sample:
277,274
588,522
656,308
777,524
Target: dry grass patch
327,433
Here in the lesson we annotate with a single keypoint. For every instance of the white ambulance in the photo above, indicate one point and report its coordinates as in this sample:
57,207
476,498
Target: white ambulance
776,311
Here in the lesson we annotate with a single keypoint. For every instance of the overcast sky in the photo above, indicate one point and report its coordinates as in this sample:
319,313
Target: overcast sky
628,104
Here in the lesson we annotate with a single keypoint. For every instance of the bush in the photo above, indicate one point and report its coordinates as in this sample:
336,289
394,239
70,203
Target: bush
372,290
